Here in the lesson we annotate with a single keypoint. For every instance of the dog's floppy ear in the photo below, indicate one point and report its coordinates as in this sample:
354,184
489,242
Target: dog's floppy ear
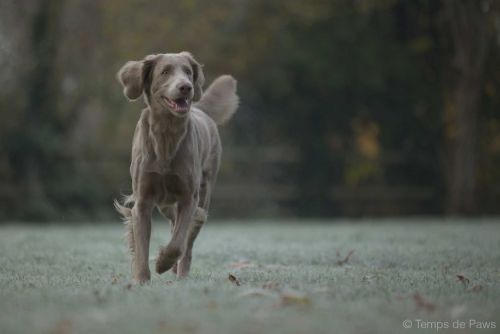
132,77
198,76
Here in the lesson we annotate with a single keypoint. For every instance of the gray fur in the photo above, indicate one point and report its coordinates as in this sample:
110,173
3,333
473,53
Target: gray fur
176,153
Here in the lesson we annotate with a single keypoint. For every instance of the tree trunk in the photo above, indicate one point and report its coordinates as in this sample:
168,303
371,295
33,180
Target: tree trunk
41,119
469,23
462,187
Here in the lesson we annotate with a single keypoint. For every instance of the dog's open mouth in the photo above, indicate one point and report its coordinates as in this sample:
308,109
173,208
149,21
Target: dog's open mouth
180,105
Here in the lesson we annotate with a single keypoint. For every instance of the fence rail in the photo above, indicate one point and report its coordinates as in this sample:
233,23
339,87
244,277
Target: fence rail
259,182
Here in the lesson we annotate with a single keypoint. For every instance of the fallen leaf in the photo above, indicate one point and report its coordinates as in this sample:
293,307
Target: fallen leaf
128,286
464,280
241,264
323,290
255,292
270,285
343,261
115,279
290,297
63,327
162,325
368,278
422,302
233,279
476,288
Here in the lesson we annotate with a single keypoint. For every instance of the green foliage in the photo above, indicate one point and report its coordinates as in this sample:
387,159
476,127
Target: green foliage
313,75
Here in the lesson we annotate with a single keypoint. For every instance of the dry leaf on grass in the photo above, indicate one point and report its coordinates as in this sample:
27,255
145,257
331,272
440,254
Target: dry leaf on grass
162,325
115,279
324,290
290,297
233,279
63,327
476,288
255,292
341,262
270,285
464,280
368,278
169,282
241,264
423,303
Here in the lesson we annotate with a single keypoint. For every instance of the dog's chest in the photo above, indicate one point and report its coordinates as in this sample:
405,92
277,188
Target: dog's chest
173,187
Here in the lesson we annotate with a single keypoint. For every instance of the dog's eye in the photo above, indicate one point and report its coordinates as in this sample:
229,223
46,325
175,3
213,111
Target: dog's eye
166,70
188,71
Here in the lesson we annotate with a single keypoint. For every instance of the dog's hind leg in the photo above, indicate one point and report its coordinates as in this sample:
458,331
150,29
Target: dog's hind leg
170,213
141,220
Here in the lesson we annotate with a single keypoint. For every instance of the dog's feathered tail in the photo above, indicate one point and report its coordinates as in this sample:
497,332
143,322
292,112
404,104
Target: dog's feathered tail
220,101
126,212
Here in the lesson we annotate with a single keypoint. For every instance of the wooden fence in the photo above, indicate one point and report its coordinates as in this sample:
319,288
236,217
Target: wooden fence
259,182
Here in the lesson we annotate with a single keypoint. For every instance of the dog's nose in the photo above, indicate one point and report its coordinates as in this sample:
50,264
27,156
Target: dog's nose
185,88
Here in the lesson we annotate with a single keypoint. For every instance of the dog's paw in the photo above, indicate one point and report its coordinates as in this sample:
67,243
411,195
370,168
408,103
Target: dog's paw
167,258
184,266
142,277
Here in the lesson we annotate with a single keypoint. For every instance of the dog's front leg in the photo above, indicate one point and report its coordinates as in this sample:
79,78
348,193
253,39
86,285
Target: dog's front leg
200,218
141,219
177,246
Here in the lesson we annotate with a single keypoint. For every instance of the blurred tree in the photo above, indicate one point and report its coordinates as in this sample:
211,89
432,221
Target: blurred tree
471,26
354,102
32,146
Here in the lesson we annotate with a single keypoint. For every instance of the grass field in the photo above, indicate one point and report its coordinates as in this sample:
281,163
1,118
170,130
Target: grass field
294,278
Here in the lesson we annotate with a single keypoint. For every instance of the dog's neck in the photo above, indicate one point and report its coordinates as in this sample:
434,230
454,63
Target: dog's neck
166,133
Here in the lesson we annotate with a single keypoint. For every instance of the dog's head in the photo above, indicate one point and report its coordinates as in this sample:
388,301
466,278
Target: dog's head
168,81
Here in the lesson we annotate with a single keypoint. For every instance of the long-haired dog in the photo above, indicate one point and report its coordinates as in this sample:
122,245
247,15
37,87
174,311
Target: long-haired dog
176,153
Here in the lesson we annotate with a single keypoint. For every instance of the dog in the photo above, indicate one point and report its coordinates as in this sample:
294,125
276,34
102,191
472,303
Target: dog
176,153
